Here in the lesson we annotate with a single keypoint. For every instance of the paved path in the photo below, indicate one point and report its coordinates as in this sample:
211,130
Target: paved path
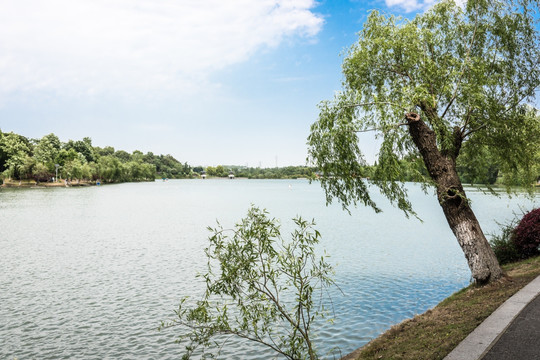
511,332
521,340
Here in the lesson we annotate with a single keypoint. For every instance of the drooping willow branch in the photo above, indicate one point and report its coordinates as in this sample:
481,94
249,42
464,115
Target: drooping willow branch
467,59
385,129
376,103
395,126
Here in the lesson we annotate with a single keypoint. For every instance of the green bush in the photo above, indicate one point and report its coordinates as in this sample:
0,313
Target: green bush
259,288
519,239
527,234
503,245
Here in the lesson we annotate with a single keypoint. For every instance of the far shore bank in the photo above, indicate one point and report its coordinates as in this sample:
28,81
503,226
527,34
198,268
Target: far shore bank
7,183
33,184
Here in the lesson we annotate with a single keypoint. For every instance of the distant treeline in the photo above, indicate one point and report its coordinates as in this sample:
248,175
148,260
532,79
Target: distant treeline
42,159
482,171
288,172
23,158
411,169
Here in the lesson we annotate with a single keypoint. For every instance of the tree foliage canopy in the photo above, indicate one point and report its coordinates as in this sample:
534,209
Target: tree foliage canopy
22,158
469,72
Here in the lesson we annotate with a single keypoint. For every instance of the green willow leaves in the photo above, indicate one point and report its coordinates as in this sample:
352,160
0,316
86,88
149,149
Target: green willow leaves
259,288
469,72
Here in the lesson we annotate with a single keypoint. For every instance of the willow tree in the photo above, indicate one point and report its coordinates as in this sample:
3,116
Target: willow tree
452,79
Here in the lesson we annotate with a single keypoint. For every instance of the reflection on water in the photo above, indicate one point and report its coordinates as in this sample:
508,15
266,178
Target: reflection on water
89,273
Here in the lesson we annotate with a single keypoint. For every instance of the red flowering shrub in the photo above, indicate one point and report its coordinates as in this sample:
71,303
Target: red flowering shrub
527,234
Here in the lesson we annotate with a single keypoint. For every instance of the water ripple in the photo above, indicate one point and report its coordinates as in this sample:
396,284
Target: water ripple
90,273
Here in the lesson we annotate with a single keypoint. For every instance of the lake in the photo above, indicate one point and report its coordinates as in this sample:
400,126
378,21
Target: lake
89,273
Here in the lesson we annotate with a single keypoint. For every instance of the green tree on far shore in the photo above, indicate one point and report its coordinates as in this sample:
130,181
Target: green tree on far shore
32,159
14,153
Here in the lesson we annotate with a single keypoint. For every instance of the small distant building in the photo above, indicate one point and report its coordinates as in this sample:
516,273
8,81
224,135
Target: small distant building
231,175
203,175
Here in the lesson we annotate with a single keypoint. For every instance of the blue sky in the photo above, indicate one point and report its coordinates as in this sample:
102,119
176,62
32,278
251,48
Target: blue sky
208,81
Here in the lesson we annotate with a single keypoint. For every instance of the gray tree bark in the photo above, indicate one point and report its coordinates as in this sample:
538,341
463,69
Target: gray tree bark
441,166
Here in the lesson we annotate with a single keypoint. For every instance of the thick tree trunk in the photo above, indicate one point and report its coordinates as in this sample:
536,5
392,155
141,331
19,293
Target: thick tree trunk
442,169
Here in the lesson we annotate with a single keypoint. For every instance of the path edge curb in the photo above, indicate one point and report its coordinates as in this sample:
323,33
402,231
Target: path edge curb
474,346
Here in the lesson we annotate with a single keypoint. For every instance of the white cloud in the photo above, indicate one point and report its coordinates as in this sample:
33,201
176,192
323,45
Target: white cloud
81,47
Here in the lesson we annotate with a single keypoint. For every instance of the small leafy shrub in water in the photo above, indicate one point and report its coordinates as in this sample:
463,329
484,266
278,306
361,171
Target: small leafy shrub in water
527,235
251,270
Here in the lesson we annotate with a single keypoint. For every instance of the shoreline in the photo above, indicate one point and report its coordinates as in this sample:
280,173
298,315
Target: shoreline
35,184
28,184
434,334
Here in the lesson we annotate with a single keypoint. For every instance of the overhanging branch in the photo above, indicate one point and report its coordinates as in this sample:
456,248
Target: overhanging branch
376,103
473,130
382,129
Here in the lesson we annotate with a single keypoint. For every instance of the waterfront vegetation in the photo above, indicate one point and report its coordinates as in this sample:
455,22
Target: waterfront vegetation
26,161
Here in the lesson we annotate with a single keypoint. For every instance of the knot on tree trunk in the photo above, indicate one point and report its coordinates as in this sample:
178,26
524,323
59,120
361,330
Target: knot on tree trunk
452,194
412,117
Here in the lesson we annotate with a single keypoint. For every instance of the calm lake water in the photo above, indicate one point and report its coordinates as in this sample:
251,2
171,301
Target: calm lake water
89,273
